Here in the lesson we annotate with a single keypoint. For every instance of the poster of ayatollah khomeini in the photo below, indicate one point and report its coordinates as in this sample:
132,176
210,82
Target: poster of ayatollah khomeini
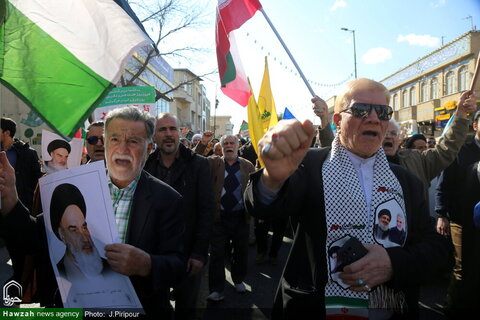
79,222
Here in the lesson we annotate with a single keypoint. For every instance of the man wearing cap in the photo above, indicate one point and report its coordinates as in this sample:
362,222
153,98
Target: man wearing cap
457,194
58,150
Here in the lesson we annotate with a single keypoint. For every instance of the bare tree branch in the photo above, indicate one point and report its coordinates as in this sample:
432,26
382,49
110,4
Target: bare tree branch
190,81
166,19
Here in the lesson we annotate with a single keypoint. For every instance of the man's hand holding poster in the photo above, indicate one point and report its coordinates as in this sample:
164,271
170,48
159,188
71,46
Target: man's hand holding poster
79,222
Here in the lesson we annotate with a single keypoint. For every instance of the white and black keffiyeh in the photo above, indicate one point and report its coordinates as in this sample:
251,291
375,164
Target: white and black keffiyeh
347,215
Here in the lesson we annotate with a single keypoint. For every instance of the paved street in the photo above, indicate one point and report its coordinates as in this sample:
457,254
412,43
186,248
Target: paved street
262,281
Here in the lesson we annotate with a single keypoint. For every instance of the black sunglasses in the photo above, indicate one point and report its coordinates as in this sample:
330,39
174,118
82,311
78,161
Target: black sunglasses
362,110
94,139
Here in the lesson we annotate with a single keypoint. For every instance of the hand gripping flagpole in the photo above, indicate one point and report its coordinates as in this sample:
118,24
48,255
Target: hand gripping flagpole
289,54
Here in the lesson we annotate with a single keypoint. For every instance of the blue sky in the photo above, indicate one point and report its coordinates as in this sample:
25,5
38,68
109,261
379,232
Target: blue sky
389,36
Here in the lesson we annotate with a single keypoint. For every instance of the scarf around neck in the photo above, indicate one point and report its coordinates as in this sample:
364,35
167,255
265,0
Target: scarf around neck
347,215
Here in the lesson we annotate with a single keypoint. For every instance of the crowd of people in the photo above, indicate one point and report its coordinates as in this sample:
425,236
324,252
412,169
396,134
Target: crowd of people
184,203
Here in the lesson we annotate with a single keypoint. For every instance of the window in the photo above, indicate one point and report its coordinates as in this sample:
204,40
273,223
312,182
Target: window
462,78
434,88
187,84
413,99
450,83
425,91
395,102
404,99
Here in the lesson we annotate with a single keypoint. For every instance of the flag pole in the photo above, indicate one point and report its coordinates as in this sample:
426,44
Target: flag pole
289,54
475,74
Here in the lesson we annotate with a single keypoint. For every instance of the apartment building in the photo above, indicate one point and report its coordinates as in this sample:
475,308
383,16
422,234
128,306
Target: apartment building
190,103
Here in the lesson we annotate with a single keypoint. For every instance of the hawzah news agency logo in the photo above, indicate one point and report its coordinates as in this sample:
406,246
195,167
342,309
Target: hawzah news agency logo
14,288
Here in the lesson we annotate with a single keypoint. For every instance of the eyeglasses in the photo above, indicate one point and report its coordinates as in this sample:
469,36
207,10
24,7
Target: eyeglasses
362,110
94,139
392,133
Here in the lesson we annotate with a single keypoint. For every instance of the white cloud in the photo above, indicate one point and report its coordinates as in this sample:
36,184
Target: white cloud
438,3
338,4
376,55
419,40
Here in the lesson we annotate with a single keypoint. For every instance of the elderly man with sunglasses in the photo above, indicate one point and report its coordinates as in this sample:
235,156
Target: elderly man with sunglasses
335,194
425,165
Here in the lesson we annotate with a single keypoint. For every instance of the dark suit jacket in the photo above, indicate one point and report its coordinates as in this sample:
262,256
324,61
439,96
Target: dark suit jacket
190,176
155,226
425,255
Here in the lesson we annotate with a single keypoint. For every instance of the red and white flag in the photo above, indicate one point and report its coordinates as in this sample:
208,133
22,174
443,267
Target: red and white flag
231,15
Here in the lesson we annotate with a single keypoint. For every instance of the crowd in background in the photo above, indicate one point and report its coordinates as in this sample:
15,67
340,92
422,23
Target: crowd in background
211,174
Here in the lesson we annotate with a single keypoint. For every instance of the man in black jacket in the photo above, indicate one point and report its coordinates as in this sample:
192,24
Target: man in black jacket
336,194
23,159
27,171
189,174
457,194
147,212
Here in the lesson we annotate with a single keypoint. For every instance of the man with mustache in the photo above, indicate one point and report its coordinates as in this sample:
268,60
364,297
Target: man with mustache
189,174
147,213
95,141
230,175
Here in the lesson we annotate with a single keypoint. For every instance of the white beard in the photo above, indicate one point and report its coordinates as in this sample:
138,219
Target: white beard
53,167
383,227
90,264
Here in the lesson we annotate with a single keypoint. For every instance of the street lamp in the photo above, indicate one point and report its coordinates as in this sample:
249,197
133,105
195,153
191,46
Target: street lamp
354,50
215,117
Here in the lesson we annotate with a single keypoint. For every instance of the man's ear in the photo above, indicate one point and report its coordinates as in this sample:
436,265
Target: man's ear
150,148
475,126
337,117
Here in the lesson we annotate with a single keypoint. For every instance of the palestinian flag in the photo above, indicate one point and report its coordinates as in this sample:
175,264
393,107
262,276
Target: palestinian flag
62,57
231,15
244,129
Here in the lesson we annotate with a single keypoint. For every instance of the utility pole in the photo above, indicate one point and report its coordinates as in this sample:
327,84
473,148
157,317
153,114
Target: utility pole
354,50
215,117
471,21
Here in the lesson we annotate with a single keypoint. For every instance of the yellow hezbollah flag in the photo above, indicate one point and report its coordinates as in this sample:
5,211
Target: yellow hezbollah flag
254,123
266,104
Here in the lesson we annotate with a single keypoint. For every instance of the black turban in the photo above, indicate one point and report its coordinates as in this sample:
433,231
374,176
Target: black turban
384,212
64,195
55,144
